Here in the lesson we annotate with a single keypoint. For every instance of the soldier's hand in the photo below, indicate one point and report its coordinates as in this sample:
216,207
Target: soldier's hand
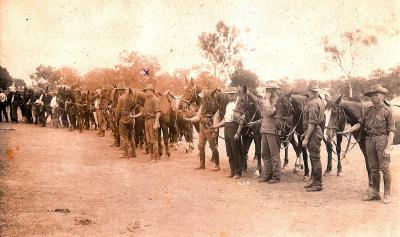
386,152
236,137
305,143
156,125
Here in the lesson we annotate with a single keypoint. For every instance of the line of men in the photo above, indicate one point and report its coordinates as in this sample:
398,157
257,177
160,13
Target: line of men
378,123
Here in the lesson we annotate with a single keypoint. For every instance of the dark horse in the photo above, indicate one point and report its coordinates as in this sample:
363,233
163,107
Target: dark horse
289,122
252,112
342,112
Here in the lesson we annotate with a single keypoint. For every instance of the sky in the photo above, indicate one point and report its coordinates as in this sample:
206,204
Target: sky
286,35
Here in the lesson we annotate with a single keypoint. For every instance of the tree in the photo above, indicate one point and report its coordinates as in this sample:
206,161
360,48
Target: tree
19,83
208,81
137,69
5,78
45,77
222,48
245,78
347,52
68,76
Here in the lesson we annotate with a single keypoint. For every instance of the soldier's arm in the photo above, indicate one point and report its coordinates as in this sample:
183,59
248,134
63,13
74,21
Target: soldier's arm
391,130
196,118
158,112
313,116
353,128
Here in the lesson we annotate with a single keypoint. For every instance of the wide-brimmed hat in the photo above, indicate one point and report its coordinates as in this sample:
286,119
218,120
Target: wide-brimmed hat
313,86
121,86
377,88
148,87
271,85
230,90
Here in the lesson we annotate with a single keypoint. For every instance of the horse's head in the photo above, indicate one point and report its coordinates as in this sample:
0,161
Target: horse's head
190,95
284,114
337,118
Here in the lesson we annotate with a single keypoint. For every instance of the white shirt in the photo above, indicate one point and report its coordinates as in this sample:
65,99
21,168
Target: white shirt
230,109
3,97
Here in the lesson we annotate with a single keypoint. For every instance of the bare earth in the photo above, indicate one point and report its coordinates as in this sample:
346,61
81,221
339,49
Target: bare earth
45,171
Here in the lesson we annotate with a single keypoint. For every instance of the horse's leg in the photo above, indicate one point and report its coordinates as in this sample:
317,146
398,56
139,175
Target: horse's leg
329,150
305,156
160,148
257,147
165,132
246,141
286,159
298,150
339,139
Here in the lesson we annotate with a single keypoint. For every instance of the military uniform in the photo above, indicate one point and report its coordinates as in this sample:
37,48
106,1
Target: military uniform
377,122
207,133
101,110
314,114
126,106
114,119
150,109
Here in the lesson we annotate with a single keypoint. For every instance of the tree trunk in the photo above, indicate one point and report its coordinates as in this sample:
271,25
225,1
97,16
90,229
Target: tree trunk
350,89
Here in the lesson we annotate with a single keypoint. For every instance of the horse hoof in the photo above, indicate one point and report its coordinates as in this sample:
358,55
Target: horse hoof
339,173
306,178
284,166
327,172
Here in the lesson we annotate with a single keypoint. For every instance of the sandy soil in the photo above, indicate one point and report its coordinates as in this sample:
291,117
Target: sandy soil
60,183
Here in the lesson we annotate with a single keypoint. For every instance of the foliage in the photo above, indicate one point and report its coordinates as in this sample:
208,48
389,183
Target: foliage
244,78
222,48
5,78
347,52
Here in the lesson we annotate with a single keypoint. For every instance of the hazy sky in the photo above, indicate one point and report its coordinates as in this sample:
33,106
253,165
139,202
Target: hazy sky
286,34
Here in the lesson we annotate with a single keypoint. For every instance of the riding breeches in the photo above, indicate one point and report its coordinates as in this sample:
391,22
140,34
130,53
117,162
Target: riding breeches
270,151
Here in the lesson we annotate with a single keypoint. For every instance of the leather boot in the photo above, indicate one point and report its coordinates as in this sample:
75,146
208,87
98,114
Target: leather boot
150,147
215,156
386,185
133,147
202,161
102,133
155,154
317,183
312,181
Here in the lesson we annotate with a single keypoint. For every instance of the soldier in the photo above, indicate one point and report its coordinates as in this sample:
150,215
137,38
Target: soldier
3,105
378,122
313,115
207,118
233,142
101,110
115,94
152,113
126,106
270,147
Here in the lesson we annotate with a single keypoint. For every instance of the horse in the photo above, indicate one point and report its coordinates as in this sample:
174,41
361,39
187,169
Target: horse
342,112
252,112
289,122
181,126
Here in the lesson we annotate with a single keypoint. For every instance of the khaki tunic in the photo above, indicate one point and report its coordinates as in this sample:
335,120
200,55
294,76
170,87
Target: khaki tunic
150,109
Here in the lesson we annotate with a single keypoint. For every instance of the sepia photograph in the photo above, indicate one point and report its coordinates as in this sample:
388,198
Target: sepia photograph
214,118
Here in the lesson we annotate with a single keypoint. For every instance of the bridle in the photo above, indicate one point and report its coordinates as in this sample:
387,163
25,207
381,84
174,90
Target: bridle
336,129
193,97
281,134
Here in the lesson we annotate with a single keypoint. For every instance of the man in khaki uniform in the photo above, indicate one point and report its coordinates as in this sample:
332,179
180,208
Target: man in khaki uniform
270,147
152,111
114,119
313,116
101,109
126,108
378,122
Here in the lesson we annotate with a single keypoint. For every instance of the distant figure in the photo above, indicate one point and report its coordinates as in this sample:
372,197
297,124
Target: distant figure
3,105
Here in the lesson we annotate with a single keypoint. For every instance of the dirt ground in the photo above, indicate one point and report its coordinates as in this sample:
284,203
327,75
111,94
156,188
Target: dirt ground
60,183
